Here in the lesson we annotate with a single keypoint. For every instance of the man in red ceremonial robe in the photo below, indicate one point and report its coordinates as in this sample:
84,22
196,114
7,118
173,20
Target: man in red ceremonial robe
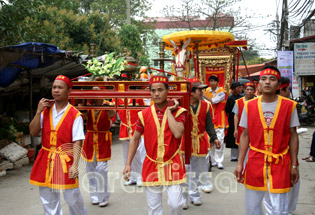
236,88
56,166
162,126
238,109
269,124
284,91
218,97
202,126
96,151
128,120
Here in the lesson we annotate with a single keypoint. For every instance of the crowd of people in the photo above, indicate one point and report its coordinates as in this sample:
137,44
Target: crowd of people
263,142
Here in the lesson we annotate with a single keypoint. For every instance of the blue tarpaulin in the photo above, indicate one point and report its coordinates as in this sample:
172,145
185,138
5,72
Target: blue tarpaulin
34,55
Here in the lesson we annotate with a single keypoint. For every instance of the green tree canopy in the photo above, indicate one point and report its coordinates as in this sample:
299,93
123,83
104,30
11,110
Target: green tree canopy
130,38
116,9
71,24
252,57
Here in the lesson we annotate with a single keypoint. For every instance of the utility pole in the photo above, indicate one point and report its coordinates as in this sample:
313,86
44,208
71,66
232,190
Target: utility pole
278,30
286,24
284,35
128,11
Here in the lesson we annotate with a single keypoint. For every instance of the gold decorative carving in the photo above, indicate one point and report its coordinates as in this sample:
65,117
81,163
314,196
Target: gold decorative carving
121,87
183,87
225,51
217,61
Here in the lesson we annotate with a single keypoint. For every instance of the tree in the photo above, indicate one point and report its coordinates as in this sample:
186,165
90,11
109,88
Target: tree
69,30
187,14
71,25
217,15
130,39
220,11
12,13
252,57
116,9
208,14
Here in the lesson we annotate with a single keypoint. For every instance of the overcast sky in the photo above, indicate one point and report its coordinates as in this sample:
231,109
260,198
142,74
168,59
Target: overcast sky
257,9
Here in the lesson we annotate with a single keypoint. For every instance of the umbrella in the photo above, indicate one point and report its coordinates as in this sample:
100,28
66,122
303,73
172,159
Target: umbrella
201,39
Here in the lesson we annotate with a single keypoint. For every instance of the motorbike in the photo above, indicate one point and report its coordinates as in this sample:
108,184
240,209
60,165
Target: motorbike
306,109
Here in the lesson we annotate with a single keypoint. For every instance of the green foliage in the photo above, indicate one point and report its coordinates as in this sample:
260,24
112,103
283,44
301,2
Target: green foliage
7,129
11,15
257,60
67,30
22,127
252,57
116,9
71,24
111,66
249,55
144,60
130,39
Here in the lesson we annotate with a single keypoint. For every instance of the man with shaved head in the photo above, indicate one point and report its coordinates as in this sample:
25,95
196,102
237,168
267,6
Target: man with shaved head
56,165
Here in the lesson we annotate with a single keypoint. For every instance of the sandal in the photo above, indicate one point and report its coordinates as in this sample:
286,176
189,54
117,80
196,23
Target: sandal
310,159
306,157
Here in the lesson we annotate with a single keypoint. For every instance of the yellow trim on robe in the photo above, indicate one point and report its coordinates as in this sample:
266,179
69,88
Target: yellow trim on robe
53,143
268,153
161,148
96,147
56,186
160,164
166,183
180,111
53,132
195,137
140,115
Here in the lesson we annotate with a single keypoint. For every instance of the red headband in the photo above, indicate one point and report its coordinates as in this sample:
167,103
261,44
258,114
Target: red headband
158,79
270,72
64,79
284,85
249,84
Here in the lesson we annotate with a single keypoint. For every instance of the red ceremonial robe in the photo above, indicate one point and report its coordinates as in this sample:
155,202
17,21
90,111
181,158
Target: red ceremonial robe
221,119
240,105
273,155
199,137
98,138
163,164
128,119
51,167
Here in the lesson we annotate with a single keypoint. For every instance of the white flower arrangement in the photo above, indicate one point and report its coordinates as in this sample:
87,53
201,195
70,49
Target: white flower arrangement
111,66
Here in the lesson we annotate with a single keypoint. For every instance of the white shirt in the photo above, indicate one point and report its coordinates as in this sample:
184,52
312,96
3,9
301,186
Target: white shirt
147,102
77,128
219,97
268,111
235,107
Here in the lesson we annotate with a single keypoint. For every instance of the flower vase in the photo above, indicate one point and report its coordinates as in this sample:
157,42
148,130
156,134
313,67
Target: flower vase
98,78
106,78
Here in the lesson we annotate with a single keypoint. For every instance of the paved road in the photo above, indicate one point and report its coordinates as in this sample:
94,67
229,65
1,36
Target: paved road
17,196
